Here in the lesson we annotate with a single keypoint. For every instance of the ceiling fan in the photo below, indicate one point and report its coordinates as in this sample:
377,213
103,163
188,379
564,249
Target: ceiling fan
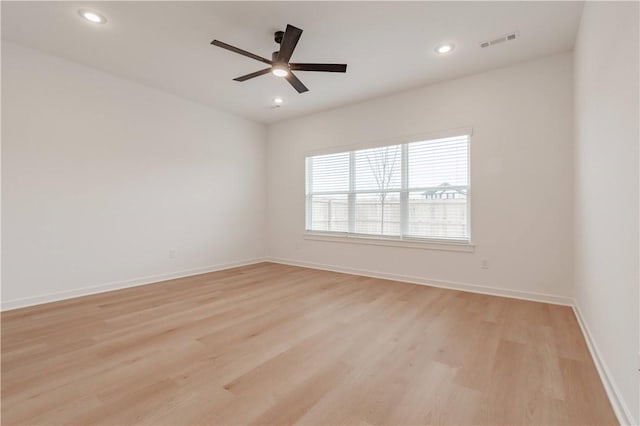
279,63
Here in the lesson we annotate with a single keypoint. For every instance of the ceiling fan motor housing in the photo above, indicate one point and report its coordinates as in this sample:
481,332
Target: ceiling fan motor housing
277,37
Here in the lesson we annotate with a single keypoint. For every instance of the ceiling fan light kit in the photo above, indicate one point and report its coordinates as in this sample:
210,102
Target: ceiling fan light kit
279,62
280,70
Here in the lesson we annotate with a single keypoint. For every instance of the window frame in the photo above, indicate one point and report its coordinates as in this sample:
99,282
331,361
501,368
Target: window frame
465,245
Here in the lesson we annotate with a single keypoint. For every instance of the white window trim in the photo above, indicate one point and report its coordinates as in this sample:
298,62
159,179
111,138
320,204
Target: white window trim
415,243
417,137
407,242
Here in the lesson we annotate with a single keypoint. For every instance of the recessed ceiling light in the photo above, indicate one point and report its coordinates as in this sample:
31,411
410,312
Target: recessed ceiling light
278,101
280,71
93,17
444,48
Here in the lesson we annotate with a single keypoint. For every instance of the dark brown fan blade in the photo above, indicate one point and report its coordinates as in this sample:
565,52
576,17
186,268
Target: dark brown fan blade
289,41
297,84
253,74
240,51
319,67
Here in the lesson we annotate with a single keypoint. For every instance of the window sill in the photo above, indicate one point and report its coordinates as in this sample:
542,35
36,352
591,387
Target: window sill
391,242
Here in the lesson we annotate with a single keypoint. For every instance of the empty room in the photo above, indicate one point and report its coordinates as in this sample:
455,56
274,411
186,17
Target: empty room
320,213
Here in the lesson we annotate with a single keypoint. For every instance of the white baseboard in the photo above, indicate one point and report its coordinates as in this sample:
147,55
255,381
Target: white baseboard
617,401
116,285
473,288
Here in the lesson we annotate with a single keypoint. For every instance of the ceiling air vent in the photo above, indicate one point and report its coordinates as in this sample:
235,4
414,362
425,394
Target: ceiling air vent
497,40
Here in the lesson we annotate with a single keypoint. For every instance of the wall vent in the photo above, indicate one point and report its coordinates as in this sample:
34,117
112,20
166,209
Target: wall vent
498,40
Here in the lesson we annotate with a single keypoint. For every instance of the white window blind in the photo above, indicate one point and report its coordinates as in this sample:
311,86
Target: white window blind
417,190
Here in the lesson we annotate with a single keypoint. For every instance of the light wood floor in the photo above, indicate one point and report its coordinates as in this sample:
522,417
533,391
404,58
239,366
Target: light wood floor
274,344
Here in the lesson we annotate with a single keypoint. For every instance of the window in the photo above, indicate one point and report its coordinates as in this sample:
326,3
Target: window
416,190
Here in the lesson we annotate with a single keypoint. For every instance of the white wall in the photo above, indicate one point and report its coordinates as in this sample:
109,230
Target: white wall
521,177
606,165
102,176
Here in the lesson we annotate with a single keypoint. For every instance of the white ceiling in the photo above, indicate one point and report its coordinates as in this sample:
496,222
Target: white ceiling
388,46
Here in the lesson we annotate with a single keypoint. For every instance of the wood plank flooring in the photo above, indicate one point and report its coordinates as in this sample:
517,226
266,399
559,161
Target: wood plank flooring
275,344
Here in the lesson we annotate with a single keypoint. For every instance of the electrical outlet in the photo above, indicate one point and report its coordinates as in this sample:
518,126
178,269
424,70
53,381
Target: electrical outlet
173,253
484,264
